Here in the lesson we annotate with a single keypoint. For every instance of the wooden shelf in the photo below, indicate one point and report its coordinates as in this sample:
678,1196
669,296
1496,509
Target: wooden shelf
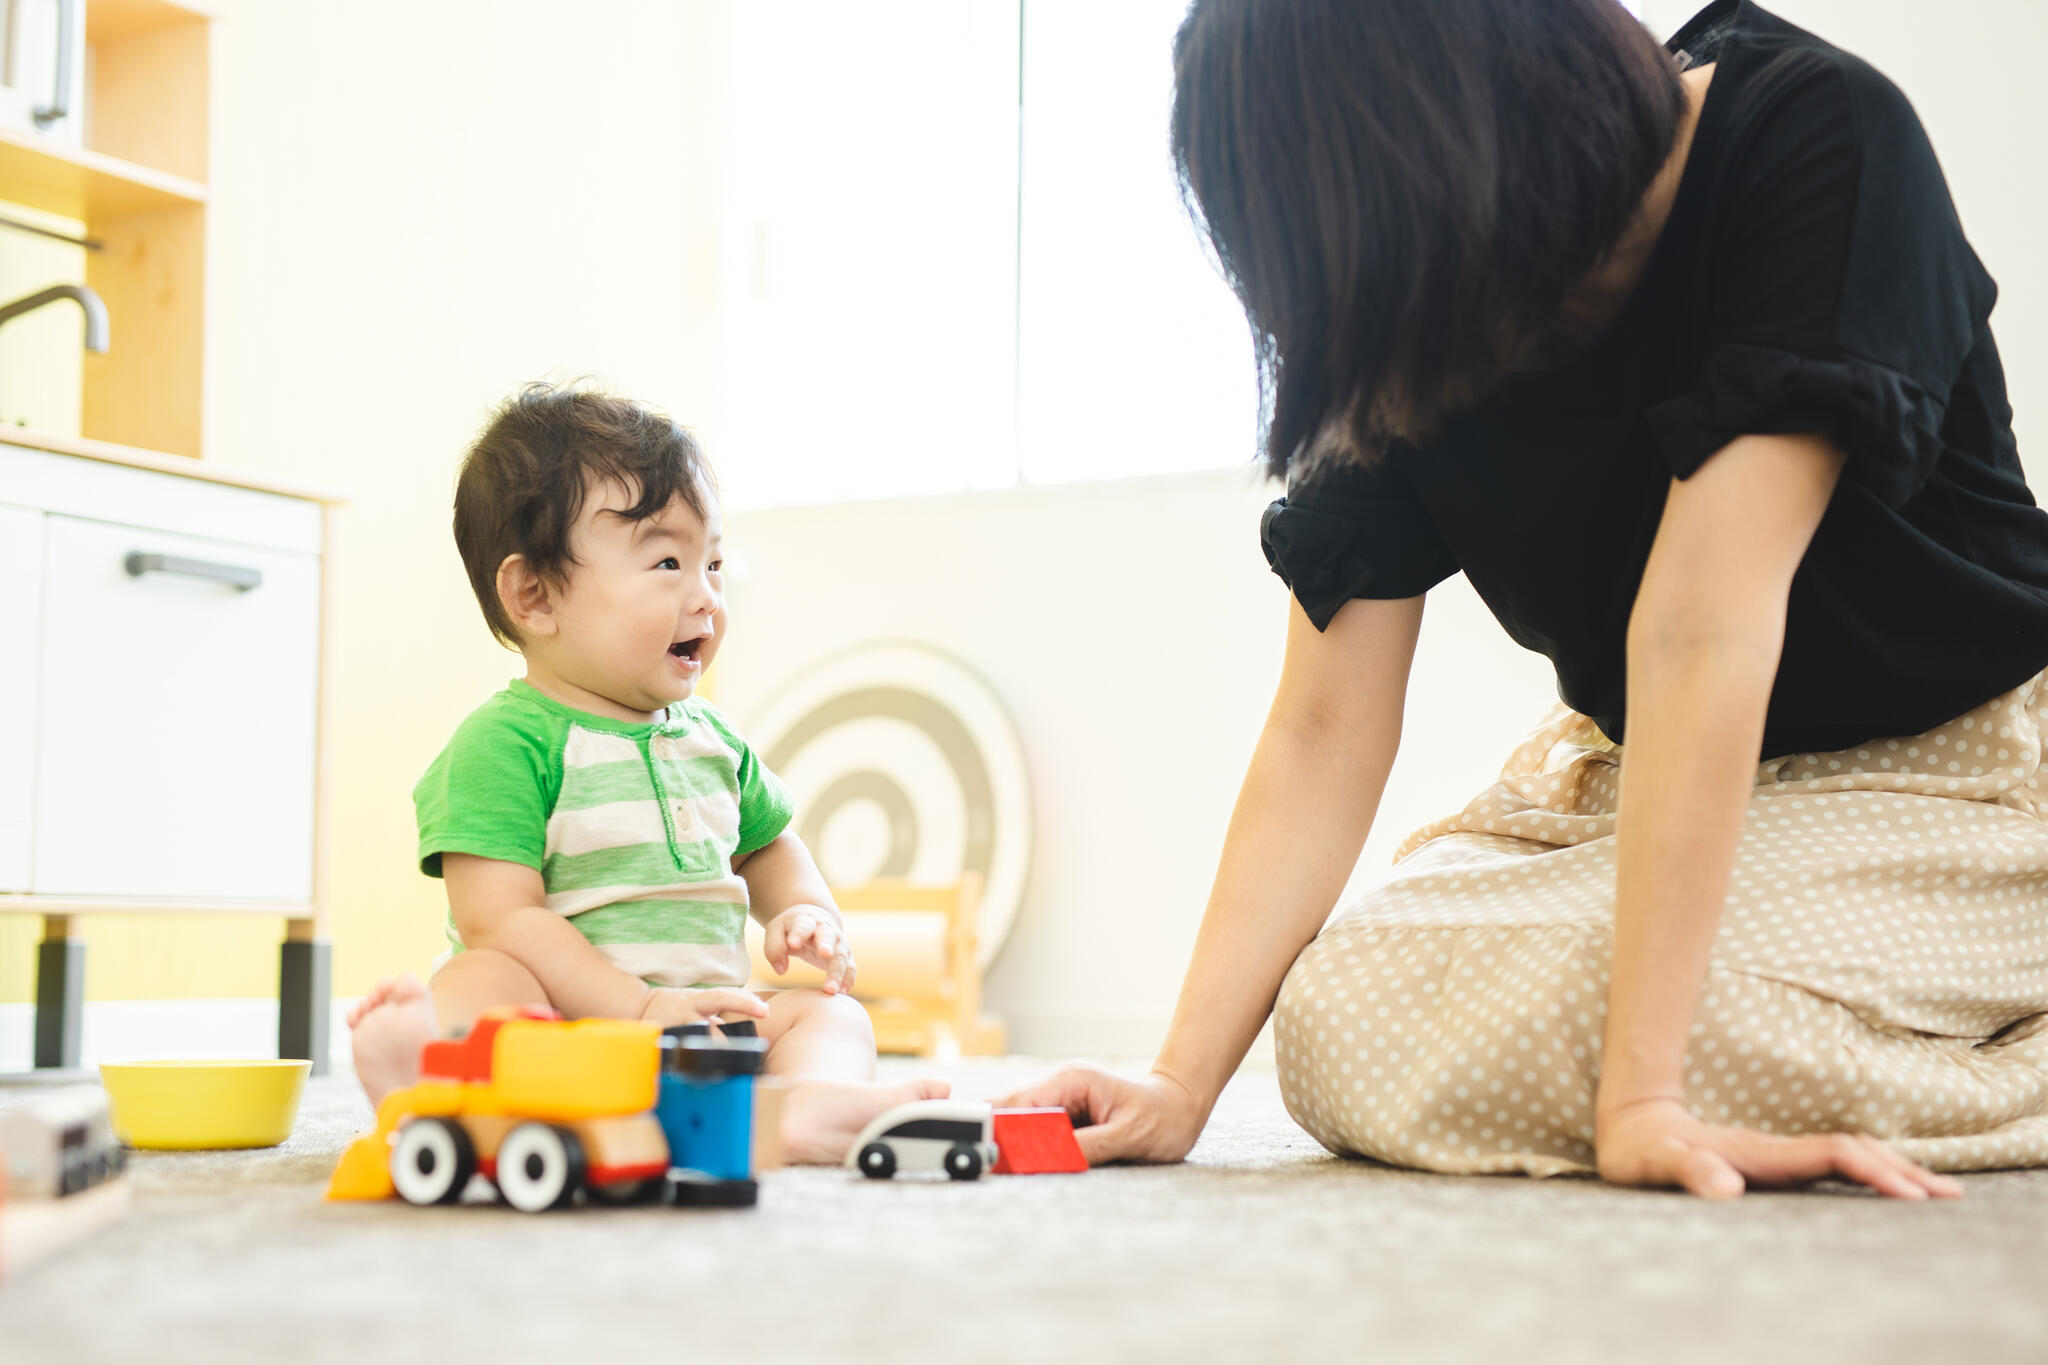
109,21
140,192
89,186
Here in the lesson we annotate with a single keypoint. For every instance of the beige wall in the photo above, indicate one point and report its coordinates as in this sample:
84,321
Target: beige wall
416,207
1165,627
1134,632
41,375
419,205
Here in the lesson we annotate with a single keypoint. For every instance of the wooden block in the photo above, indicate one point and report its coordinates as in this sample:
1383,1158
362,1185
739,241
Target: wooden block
769,1094
1036,1142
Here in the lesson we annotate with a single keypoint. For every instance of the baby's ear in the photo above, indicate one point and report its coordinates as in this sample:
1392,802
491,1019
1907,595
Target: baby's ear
525,597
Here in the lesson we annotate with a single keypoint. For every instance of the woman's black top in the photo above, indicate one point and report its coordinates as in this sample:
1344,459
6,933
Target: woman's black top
1812,277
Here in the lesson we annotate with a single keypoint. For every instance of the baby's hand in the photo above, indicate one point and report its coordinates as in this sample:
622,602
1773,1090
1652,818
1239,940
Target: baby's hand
667,1006
814,935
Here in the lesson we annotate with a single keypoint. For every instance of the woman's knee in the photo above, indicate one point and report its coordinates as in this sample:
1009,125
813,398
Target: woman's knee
1301,990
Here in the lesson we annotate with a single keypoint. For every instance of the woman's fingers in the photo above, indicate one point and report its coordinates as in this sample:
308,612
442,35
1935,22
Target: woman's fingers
1854,1158
1707,1173
1080,1090
1786,1161
1661,1144
1937,1186
1103,1142
1117,1118
1050,1093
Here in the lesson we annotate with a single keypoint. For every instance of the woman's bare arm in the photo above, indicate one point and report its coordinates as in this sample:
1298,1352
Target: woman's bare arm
1301,817
1704,643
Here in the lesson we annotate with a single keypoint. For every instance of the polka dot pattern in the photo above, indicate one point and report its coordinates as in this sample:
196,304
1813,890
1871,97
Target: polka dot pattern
1881,967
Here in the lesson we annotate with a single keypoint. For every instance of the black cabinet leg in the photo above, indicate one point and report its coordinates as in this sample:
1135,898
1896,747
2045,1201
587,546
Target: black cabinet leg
304,989
60,998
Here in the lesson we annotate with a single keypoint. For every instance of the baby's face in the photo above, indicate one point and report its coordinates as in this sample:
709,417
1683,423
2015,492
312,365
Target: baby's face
644,608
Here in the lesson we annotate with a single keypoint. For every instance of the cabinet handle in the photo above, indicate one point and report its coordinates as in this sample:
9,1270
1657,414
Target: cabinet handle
59,107
239,576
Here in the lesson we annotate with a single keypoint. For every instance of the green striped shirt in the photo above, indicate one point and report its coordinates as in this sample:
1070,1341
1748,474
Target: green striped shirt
633,828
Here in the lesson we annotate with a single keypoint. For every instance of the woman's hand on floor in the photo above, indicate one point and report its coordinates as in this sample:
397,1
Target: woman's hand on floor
1659,1142
1153,1118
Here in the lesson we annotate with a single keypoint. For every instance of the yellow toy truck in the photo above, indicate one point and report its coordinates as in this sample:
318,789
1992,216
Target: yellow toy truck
541,1106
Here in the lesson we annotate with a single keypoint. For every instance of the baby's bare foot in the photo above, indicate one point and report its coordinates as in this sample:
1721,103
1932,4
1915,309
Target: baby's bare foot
820,1119
390,1025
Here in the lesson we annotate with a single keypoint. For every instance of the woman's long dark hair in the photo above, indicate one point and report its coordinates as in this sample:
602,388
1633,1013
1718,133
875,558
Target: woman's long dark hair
1402,192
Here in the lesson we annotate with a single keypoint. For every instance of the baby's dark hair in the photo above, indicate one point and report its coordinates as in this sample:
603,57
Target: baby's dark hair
523,481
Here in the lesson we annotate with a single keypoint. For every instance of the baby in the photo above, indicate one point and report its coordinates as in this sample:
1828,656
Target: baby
602,835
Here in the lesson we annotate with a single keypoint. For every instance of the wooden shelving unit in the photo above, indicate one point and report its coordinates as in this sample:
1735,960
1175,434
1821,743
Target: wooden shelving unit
86,185
139,189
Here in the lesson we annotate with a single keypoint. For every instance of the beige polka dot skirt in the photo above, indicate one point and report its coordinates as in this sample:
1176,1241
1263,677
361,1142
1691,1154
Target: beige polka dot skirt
1882,963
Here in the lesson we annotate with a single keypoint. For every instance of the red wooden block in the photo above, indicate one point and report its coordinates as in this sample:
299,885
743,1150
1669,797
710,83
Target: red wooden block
1036,1142
468,1058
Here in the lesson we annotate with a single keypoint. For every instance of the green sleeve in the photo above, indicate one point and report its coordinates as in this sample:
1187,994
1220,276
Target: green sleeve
490,792
765,805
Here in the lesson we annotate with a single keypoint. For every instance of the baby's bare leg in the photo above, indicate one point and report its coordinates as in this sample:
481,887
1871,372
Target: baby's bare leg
471,982
826,1044
815,1036
392,1022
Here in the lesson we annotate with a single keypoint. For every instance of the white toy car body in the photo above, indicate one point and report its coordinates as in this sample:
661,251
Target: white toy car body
59,1144
954,1136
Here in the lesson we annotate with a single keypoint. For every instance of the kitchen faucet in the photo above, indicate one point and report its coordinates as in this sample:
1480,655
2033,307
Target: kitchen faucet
95,311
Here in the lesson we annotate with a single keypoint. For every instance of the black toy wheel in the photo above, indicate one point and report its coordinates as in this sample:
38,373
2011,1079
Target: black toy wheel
432,1161
877,1161
963,1162
687,1190
621,1193
540,1167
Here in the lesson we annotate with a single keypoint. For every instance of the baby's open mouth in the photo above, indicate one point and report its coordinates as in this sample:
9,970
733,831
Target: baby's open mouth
686,649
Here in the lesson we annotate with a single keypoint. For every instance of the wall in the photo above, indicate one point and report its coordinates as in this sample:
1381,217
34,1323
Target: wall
415,208
41,374
1135,632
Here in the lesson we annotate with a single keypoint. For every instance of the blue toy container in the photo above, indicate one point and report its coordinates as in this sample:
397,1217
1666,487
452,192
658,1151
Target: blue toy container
706,1110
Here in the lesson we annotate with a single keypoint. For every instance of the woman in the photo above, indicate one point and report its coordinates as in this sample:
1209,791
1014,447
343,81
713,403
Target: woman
1682,359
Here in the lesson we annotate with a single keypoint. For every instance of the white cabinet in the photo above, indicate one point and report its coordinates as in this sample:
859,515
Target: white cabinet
21,614
176,735
164,717
162,630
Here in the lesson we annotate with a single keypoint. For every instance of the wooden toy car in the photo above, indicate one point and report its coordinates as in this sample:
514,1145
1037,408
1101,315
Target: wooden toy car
59,1144
953,1136
547,1108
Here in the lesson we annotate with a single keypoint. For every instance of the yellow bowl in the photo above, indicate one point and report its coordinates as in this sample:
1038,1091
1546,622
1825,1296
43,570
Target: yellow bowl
193,1106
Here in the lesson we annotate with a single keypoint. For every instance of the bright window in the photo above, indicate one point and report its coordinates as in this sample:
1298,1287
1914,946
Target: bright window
915,305
1133,356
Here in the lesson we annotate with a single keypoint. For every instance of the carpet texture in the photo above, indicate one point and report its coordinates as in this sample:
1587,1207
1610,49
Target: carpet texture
1262,1247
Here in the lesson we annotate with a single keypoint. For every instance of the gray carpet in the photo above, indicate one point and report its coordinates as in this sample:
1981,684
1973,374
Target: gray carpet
1261,1247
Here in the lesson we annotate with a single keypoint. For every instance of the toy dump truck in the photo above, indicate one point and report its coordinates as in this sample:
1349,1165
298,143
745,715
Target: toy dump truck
546,1108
